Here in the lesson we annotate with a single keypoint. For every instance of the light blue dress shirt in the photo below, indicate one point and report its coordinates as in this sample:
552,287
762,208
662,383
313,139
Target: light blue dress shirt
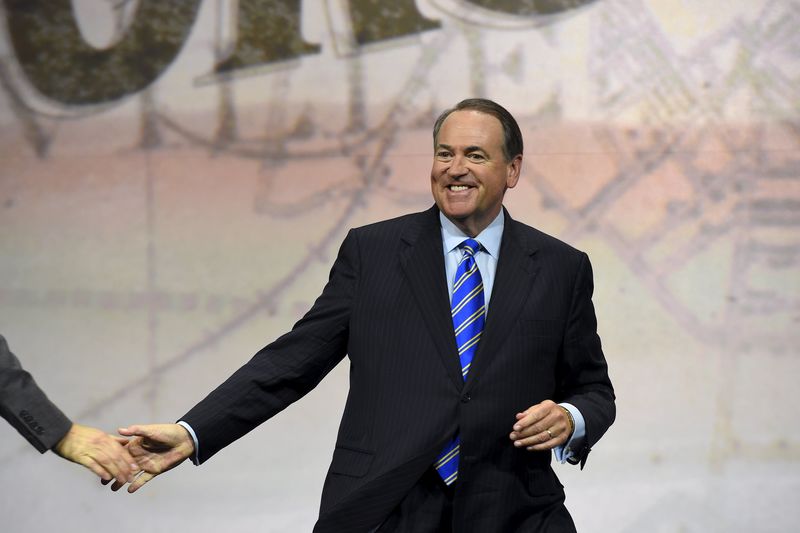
486,259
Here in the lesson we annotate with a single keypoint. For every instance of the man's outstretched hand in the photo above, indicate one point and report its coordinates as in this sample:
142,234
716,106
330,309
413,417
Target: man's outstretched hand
156,448
101,453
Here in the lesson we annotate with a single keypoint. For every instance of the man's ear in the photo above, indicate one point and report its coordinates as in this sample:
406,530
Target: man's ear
514,169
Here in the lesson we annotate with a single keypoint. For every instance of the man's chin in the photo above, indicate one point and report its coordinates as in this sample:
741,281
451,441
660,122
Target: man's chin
456,209
456,214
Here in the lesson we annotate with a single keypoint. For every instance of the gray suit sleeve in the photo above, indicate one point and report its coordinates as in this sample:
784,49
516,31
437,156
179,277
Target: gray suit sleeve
26,407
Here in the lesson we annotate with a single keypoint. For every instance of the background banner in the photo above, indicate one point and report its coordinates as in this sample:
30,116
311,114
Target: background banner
176,178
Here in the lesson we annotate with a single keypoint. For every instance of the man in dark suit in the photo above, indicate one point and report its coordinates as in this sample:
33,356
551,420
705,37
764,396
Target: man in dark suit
440,432
26,407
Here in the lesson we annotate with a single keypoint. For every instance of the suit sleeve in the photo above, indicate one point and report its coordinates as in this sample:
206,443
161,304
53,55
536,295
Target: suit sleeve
583,373
26,407
284,370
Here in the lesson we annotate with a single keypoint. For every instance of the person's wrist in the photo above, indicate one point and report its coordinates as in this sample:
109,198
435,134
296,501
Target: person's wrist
62,447
570,418
187,440
192,439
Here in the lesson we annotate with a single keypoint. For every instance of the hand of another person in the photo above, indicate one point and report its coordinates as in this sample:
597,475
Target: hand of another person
156,448
542,427
101,453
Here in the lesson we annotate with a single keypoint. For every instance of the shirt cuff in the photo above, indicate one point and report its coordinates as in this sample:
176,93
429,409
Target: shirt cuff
564,453
196,457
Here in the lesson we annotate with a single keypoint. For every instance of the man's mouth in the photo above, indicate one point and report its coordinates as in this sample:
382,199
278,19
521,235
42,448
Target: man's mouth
458,188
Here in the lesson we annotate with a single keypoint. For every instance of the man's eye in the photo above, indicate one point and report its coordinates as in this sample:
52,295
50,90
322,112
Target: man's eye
443,155
476,157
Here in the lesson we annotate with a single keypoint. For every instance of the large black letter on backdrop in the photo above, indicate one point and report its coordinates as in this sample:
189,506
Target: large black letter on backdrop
377,20
268,31
64,67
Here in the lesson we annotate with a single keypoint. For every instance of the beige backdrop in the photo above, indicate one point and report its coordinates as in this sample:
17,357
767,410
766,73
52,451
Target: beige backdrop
158,227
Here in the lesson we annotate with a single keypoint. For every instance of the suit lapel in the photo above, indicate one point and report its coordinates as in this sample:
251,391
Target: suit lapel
422,260
516,270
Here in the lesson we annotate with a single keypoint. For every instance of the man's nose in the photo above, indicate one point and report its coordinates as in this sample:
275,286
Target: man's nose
457,167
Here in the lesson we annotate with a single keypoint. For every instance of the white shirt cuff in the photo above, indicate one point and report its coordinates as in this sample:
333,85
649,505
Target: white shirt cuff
187,427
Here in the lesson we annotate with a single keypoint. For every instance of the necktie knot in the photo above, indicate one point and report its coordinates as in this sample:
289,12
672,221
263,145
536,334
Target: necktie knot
470,247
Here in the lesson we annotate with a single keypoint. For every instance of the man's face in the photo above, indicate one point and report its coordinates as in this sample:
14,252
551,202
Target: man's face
470,173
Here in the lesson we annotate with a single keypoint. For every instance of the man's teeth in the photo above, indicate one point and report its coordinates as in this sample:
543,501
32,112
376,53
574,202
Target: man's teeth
458,187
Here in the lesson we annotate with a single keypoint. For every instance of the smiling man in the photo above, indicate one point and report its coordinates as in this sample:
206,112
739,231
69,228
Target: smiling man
472,167
474,358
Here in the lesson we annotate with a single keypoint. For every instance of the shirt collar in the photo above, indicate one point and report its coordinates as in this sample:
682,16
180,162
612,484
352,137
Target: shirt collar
489,238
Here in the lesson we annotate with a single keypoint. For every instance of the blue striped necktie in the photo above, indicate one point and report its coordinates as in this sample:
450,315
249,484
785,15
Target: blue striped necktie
469,315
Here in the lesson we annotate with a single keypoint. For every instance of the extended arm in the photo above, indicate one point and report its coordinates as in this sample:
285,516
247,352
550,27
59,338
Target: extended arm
26,407
276,376
286,369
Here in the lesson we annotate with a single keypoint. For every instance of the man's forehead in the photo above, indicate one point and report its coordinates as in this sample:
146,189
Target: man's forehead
469,127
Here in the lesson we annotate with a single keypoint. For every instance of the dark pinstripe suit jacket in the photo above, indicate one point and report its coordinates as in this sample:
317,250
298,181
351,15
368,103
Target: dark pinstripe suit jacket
26,407
386,306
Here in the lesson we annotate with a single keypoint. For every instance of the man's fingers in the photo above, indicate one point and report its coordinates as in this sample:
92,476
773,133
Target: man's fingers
98,461
147,431
533,414
540,427
124,460
537,427
543,440
528,418
122,441
157,437
119,468
538,438
104,475
146,457
125,454
113,458
118,485
133,431
143,478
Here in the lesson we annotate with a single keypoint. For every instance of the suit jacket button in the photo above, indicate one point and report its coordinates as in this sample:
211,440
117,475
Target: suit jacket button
465,398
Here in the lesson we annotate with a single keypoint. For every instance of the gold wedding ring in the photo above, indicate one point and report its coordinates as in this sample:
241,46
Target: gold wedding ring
548,432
